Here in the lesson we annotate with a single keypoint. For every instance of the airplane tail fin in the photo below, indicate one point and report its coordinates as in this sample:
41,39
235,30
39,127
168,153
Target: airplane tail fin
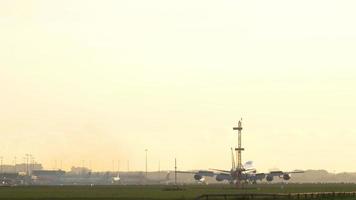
249,165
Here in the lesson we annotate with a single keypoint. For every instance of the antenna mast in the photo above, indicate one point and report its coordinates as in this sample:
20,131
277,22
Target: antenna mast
239,149
239,169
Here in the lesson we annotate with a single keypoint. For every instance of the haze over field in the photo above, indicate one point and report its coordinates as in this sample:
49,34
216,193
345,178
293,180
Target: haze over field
104,80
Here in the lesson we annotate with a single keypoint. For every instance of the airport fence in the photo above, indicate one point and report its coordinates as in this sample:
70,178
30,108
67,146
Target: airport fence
291,196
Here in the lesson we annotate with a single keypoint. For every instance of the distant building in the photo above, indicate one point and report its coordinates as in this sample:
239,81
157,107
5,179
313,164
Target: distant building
79,170
21,167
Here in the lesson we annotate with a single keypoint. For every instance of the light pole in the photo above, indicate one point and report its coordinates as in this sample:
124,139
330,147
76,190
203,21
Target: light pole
175,171
32,163
15,167
83,168
159,170
146,161
27,157
1,164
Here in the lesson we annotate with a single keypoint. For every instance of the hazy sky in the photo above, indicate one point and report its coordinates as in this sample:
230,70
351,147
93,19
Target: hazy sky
104,80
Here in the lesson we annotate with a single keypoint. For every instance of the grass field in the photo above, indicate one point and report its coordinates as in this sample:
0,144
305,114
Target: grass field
157,192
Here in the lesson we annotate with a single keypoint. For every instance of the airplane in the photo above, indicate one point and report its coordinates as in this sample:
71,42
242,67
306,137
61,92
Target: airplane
116,179
247,173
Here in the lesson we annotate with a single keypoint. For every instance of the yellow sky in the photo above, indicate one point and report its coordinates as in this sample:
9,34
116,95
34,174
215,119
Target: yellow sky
103,80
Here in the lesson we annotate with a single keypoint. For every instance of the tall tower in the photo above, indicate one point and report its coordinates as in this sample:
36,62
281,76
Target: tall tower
239,149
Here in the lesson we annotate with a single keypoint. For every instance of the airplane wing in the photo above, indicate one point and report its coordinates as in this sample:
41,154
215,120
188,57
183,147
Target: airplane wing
200,175
280,173
200,172
295,172
219,170
254,176
187,172
226,171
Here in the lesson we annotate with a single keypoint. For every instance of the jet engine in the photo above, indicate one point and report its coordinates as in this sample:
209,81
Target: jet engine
269,178
260,176
219,178
198,177
286,177
222,177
